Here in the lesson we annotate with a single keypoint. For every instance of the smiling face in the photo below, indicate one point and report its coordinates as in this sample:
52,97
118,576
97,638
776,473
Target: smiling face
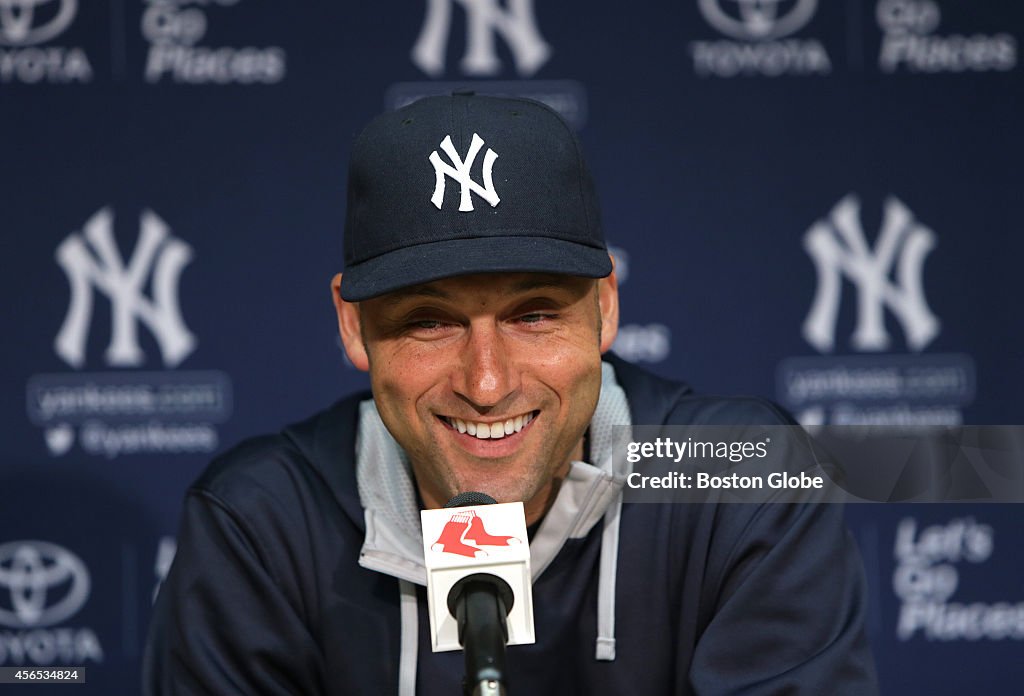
488,382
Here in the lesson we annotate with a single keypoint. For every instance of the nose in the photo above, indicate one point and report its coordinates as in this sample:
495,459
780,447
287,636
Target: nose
484,374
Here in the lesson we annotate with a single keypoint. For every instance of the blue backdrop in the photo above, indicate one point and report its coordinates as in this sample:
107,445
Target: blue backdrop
816,201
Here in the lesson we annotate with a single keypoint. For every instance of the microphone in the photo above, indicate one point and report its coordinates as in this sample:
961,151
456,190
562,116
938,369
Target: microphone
480,602
479,587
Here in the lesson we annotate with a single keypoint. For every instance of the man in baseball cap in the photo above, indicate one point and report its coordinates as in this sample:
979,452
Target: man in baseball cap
479,295
472,245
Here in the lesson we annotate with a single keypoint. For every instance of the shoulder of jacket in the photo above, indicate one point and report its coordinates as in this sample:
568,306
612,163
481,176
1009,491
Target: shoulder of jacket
655,400
266,461
276,463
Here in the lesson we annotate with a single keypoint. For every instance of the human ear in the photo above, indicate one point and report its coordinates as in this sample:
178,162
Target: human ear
608,305
350,327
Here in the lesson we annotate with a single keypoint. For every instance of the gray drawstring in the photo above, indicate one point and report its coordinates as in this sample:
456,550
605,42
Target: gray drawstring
409,645
605,650
614,410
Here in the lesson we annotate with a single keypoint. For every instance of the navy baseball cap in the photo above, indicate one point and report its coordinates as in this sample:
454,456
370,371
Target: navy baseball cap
467,183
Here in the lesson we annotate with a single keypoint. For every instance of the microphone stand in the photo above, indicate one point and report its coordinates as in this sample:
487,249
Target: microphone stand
483,633
480,603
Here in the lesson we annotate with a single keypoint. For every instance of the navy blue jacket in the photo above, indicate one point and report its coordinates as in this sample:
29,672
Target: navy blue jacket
266,595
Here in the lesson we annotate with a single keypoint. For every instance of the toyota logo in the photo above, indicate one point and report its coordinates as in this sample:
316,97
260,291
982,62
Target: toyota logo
40,583
27,22
757,20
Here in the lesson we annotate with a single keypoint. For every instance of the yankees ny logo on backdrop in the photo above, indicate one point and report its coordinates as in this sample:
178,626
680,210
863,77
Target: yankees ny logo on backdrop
461,172
838,247
484,19
92,261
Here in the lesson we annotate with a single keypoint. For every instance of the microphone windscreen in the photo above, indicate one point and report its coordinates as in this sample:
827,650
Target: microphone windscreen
470,498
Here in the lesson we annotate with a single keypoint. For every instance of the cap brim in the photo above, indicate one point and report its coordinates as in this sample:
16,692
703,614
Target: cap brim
424,263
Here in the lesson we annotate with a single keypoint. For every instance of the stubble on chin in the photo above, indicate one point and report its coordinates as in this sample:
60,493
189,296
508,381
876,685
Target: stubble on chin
444,480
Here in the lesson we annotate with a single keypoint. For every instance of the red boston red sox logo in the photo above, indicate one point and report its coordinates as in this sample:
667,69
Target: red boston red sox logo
464,534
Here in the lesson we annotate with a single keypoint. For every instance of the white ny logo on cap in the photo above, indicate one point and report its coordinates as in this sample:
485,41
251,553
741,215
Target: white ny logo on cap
461,173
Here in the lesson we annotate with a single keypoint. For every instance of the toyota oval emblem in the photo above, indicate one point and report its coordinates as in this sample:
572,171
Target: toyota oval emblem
28,22
757,20
40,584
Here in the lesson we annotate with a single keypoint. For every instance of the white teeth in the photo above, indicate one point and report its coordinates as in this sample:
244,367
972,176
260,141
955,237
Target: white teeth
488,431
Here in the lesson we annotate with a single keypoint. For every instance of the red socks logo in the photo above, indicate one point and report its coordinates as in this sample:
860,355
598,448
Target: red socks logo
465,527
